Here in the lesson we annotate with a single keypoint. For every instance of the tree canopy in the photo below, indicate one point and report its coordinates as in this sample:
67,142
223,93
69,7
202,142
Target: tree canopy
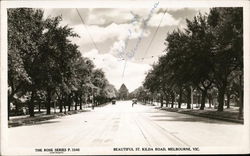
204,57
46,68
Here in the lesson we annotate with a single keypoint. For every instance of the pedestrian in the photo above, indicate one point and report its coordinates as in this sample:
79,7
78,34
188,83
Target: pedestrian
133,102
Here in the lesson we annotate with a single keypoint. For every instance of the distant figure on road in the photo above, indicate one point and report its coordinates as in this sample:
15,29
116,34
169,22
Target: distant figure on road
134,101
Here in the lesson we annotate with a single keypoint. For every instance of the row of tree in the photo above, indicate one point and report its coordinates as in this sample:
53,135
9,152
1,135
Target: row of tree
206,57
46,68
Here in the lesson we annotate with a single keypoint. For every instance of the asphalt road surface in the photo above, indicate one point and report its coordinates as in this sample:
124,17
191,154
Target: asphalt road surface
121,125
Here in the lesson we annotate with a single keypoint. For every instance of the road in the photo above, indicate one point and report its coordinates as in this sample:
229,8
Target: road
121,125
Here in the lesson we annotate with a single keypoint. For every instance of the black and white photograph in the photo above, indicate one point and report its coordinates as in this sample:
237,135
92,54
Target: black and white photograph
127,77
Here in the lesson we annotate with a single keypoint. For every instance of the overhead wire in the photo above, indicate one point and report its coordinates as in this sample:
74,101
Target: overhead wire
147,49
141,58
151,41
84,23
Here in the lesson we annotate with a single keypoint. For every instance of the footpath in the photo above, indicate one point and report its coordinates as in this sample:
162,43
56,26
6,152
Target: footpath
228,114
42,116
231,114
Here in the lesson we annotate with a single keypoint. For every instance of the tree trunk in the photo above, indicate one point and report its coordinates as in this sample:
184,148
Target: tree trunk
180,99
65,99
167,100
76,101
48,101
69,102
161,101
221,98
172,100
80,102
241,98
228,100
203,99
188,98
31,105
64,107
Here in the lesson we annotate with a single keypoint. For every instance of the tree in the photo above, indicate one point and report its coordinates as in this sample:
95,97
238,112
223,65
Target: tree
206,54
25,27
141,94
158,81
177,65
200,52
227,27
55,64
110,91
44,65
83,70
99,81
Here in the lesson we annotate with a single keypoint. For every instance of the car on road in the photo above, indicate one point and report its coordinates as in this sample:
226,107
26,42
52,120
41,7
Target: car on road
134,101
113,101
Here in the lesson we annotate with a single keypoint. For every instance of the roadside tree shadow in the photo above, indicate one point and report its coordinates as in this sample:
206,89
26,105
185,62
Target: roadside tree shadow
189,118
44,122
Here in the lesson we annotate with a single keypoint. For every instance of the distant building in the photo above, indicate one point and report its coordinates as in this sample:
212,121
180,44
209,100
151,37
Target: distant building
123,92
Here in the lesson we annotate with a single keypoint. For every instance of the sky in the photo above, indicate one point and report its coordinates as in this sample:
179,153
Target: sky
124,42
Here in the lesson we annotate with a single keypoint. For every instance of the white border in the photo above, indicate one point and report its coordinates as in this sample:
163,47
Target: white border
123,4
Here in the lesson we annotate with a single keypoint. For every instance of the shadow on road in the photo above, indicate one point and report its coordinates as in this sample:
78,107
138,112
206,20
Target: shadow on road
178,118
40,118
44,122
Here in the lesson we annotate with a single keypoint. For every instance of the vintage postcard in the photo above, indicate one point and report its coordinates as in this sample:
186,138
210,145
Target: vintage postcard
124,77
